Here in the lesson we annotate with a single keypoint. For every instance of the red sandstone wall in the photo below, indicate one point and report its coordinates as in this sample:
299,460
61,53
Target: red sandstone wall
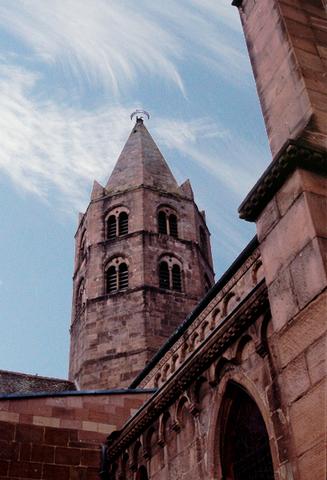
292,230
117,334
287,43
59,438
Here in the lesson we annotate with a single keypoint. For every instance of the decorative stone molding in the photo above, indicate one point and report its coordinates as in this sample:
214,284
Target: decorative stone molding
237,287
213,346
291,157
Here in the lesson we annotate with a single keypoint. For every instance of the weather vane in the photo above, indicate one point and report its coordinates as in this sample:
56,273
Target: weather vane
140,114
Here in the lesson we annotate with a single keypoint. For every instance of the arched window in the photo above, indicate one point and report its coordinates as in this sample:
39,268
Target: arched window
176,278
162,222
123,276
164,275
203,242
111,227
245,452
117,223
167,222
173,225
170,274
142,474
117,275
123,223
111,279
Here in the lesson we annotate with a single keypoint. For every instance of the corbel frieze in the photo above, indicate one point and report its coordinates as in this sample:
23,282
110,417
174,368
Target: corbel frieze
213,346
232,283
291,157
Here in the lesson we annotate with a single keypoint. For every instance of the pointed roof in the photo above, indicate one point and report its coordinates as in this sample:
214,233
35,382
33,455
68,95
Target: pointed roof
141,163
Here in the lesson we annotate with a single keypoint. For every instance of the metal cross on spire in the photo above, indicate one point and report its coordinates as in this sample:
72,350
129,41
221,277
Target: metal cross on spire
140,115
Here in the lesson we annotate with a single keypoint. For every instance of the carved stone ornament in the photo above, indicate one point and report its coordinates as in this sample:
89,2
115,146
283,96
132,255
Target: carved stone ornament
291,157
235,323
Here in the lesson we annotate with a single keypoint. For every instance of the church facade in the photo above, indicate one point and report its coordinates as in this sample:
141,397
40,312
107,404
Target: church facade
173,376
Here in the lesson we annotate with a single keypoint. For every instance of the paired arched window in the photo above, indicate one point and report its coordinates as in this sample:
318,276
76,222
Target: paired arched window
167,222
117,224
170,274
116,276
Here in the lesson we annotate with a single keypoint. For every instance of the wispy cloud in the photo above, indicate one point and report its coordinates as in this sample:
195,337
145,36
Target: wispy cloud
235,164
50,146
46,146
112,43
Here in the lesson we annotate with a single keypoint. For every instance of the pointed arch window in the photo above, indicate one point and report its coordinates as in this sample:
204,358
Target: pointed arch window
142,474
167,222
117,276
117,223
245,445
170,274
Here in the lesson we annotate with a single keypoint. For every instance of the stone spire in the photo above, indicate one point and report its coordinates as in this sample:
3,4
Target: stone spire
141,163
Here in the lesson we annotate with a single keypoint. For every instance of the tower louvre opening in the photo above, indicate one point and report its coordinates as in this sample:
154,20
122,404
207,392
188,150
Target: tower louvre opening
123,276
123,223
111,227
164,275
111,279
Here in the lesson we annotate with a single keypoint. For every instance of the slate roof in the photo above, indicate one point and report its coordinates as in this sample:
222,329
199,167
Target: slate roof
141,163
15,382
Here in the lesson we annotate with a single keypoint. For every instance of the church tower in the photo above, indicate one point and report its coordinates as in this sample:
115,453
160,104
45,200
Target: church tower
142,262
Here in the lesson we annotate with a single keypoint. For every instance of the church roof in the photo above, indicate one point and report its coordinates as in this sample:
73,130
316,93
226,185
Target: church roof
16,382
141,163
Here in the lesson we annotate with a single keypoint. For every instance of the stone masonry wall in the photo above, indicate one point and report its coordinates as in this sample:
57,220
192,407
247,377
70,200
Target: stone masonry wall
292,230
59,437
287,44
114,335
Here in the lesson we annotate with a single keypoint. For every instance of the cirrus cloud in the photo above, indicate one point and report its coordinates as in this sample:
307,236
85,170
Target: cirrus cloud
111,43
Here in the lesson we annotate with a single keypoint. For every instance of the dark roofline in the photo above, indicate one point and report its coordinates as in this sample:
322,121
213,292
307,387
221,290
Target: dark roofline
34,375
238,262
75,393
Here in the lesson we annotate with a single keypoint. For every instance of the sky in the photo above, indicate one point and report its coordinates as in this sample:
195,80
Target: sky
71,73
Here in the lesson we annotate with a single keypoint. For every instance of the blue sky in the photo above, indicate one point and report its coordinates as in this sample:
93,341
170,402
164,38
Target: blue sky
71,73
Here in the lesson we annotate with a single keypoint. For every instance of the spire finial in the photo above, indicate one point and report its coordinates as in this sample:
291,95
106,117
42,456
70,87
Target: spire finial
140,114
